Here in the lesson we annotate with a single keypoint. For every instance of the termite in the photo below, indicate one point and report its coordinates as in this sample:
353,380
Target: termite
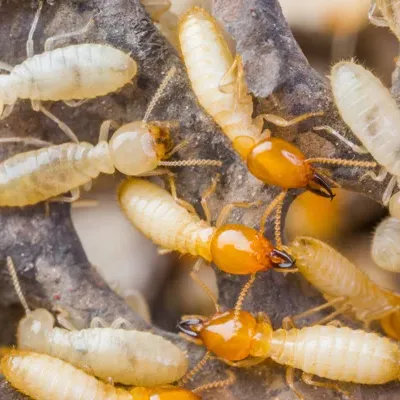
371,113
127,356
345,287
385,248
47,378
274,161
335,353
76,72
136,148
390,10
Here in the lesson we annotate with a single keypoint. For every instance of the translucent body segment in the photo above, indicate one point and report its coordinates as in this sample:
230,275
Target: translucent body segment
278,162
369,110
46,378
208,59
156,214
385,248
82,71
339,354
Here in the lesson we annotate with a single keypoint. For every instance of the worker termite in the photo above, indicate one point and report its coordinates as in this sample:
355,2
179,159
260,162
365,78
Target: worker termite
272,160
385,248
390,10
71,73
127,356
340,354
345,287
136,148
47,378
369,110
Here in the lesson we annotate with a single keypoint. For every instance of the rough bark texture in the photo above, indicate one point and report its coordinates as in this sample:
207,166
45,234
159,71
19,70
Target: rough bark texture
52,266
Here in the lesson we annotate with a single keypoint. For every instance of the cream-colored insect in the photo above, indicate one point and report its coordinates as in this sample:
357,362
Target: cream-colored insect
370,111
385,248
345,287
47,378
390,10
127,356
136,148
337,353
76,72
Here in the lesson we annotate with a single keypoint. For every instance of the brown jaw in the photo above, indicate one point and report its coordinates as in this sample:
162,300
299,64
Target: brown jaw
320,186
186,326
281,259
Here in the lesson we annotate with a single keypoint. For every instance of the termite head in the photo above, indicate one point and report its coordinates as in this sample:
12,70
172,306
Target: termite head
280,163
162,393
238,249
33,328
137,148
228,338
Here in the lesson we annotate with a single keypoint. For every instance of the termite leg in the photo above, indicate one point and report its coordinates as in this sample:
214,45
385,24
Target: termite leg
73,103
75,194
378,21
250,362
336,323
380,315
5,66
308,379
29,43
284,123
380,177
332,315
87,186
240,300
162,252
63,319
98,322
26,140
356,148
37,106
263,318
50,42
206,195
105,127
121,322
387,194
290,382
176,148
271,206
181,202
227,81
227,210
7,111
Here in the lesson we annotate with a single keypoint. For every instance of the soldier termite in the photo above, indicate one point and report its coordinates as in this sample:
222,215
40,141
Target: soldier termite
385,248
136,148
76,72
369,110
272,160
345,287
127,356
335,353
390,10
234,248
48,378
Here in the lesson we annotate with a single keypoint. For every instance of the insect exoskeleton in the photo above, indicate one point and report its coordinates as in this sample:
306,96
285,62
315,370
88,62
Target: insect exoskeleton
371,113
273,161
390,11
344,286
76,72
335,353
385,248
234,248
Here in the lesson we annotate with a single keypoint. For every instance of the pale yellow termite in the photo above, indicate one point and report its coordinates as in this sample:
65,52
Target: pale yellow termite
390,10
76,72
136,148
385,248
127,356
344,286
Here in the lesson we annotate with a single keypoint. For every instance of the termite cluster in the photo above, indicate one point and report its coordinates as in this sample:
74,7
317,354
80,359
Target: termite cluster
119,362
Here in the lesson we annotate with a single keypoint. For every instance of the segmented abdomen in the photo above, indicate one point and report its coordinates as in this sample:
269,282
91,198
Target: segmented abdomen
127,356
369,110
30,177
208,58
156,214
81,71
340,354
46,378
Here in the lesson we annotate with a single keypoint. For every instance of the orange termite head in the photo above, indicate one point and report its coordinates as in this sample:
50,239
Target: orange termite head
240,250
280,163
229,339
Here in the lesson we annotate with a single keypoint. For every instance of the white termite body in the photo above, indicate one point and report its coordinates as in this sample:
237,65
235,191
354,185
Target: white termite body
341,354
336,277
390,10
385,248
370,111
42,377
126,356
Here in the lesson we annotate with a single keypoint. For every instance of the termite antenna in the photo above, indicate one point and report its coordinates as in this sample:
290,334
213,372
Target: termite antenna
17,286
191,163
217,384
159,93
241,298
271,206
190,375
